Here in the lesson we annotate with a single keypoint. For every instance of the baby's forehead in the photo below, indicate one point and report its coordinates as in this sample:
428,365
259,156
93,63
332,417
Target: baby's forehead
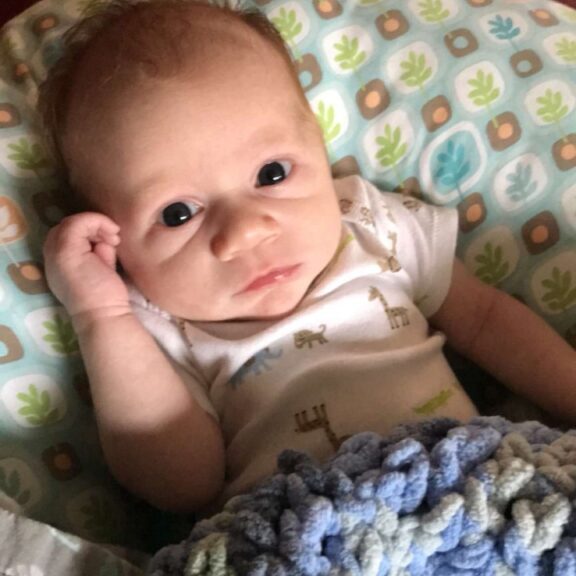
163,40
181,40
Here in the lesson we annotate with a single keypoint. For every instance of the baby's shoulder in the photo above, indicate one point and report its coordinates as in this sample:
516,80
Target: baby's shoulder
357,191
362,202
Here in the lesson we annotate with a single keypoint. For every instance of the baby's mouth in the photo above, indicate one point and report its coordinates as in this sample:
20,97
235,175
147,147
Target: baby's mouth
275,276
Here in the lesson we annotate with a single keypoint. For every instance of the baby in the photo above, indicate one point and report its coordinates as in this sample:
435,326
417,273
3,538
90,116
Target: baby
258,303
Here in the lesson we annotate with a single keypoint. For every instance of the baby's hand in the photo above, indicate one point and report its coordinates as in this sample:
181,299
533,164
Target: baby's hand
80,259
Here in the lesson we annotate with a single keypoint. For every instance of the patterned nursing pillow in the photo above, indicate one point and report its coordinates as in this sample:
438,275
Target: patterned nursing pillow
466,103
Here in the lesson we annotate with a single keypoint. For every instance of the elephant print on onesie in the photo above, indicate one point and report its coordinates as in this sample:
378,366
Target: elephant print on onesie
255,366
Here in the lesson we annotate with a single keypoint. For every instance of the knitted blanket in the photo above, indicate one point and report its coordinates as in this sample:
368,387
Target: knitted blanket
435,498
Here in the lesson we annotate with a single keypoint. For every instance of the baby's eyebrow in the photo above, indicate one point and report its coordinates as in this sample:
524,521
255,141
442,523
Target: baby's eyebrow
158,194
266,137
275,139
150,193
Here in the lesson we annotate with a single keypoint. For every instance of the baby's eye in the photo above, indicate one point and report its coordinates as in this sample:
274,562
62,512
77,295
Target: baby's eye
273,173
178,213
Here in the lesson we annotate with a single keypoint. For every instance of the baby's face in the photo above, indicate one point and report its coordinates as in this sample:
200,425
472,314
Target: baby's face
222,190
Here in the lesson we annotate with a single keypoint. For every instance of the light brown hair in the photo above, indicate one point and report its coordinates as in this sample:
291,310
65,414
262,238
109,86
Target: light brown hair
145,38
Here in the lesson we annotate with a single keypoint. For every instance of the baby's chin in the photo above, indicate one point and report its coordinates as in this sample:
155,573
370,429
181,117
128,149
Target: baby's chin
264,316
269,308
258,314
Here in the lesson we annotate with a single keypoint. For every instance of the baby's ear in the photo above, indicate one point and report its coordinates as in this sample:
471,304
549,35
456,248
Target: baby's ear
119,268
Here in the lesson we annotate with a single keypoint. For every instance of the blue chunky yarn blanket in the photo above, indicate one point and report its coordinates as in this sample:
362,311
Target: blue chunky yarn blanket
434,498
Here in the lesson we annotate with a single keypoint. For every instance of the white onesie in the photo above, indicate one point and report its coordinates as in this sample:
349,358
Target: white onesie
357,354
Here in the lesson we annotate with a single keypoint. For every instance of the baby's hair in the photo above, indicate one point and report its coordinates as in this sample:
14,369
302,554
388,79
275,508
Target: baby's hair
148,41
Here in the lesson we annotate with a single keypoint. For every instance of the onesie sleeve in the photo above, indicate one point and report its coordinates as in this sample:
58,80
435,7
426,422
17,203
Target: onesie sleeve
425,243
169,337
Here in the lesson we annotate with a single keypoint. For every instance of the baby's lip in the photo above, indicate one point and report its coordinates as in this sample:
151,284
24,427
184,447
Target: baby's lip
274,276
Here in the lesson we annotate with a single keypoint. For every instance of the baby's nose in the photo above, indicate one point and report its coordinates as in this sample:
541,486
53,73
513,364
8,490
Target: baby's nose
241,231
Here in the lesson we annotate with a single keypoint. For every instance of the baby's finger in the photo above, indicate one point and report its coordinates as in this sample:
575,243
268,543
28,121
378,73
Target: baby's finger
107,253
95,226
112,238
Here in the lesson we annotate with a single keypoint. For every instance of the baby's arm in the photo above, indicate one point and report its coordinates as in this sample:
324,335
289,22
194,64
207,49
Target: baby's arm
509,341
157,440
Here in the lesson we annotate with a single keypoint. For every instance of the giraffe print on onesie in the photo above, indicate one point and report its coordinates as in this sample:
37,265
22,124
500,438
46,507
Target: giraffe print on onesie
356,354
